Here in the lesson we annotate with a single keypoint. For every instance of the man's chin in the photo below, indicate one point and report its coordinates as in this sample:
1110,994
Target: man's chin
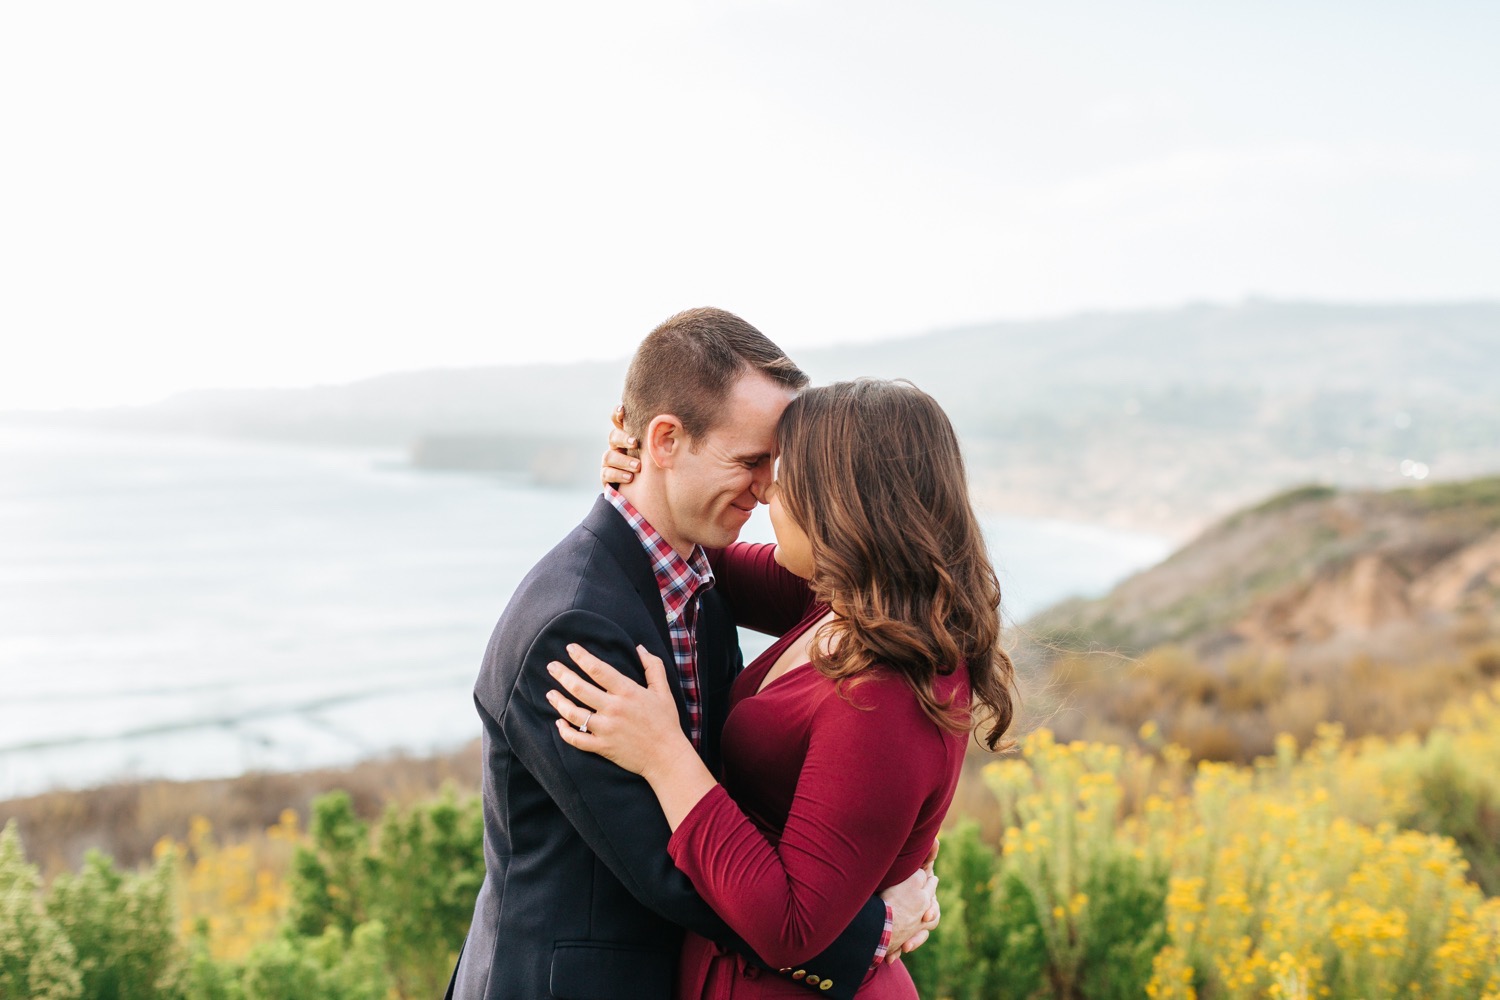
724,536
731,524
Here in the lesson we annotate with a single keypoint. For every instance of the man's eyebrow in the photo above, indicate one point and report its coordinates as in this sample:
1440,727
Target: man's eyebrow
752,457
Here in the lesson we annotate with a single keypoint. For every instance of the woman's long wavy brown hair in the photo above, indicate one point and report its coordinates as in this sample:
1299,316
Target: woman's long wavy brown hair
872,471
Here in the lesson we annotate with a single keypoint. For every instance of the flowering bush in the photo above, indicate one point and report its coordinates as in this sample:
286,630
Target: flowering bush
235,896
1322,873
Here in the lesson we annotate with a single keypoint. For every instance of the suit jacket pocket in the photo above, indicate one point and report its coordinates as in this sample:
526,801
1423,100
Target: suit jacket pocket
587,970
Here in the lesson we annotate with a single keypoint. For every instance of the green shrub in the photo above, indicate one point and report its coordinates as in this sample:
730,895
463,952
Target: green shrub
332,966
329,878
1123,928
121,928
36,959
424,875
417,877
1454,800
203,978
989,944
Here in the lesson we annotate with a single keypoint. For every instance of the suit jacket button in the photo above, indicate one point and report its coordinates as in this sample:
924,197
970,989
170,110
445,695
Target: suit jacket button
799,973
812,980
826,984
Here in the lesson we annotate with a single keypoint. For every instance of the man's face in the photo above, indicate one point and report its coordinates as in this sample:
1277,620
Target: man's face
715,485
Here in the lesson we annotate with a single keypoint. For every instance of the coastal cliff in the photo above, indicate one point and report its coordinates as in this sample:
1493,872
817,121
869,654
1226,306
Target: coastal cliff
1310,567
1372,610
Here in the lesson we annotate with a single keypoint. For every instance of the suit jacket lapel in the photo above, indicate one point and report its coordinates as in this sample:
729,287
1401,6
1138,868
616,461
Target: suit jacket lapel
718,659
609,527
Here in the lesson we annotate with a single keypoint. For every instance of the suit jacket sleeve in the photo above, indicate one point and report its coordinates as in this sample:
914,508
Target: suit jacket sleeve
616,811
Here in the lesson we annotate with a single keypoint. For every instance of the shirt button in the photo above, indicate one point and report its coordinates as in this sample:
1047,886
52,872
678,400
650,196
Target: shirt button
812,980
826,984
799,973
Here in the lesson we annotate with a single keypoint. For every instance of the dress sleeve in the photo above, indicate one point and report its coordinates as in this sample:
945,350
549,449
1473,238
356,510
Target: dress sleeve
761,594
863,784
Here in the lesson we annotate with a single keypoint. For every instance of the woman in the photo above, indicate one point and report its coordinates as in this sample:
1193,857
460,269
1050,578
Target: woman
845,739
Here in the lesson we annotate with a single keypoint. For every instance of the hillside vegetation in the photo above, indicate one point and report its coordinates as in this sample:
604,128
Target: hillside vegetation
1338,870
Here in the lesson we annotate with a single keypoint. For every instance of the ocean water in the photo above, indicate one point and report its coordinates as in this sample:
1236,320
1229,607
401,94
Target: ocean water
182,607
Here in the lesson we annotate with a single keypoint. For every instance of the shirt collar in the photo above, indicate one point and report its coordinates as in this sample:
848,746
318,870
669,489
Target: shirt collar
679,580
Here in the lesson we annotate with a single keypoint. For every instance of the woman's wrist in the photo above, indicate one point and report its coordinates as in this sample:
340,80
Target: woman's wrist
680,780
670,761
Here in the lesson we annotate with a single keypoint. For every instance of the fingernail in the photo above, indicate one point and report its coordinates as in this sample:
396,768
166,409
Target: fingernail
553,668
635,466
625,477
573,647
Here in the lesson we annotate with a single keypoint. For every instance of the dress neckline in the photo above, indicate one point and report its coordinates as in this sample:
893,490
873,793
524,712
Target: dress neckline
754,676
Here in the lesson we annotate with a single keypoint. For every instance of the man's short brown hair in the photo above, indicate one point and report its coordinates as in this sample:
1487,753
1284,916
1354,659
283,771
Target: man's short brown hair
687,366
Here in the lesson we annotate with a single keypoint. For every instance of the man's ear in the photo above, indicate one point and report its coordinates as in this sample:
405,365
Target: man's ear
665,440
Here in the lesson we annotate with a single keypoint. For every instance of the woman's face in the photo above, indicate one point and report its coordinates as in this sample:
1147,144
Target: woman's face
793,547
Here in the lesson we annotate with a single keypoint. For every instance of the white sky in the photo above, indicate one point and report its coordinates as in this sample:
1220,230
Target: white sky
210,193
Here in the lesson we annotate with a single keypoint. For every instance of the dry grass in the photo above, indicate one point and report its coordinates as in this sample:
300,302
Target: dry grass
1218,711
1234,710
126,820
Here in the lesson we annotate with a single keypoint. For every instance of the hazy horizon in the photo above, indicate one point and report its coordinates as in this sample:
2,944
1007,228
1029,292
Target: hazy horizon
622,355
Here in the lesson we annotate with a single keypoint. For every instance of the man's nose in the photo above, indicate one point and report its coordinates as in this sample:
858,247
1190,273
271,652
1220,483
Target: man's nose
760,484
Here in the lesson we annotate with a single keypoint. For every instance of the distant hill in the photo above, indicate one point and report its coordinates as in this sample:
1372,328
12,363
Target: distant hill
1275,348
1158,419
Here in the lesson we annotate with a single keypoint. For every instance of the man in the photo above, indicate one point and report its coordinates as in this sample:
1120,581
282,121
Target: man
580,898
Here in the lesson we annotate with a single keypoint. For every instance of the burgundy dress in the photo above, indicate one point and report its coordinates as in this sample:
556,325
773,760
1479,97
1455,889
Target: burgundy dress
824,800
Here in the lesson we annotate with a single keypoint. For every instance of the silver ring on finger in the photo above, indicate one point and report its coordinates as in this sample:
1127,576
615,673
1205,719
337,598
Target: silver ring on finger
583,726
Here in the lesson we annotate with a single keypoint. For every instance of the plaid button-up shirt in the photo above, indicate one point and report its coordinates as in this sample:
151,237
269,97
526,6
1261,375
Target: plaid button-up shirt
681,582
